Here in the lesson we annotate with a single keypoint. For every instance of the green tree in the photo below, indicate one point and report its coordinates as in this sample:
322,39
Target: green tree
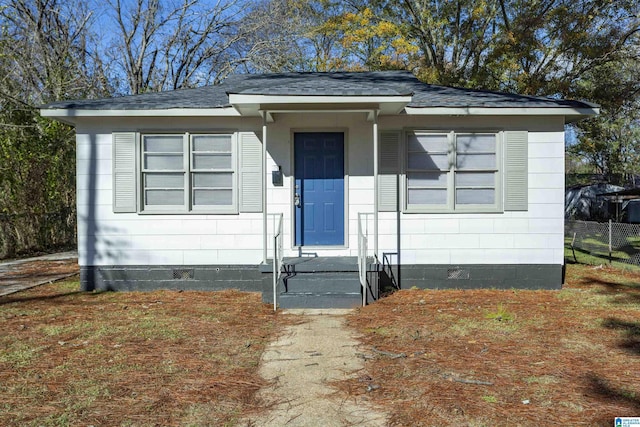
610,144
44,56
530,47
579,49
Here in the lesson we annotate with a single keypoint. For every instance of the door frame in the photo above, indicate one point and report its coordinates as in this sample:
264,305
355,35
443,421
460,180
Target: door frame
292,180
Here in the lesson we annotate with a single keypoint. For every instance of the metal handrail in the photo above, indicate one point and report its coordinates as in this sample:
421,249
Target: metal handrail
278,256
387,268
363,240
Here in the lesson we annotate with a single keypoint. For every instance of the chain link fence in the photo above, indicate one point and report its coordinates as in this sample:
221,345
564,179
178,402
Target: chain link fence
602,242
28,233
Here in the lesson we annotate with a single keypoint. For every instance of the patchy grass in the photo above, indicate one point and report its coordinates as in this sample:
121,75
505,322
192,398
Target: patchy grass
501,314
598,254
503,358
130,359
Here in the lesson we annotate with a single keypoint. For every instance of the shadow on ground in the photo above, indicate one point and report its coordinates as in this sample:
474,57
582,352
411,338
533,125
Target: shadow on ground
630,331
604,390
12,299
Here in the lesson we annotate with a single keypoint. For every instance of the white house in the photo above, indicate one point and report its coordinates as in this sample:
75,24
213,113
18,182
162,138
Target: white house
448,187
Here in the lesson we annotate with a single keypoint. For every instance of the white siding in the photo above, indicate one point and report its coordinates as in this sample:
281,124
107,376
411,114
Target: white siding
531,237
535,236
105,238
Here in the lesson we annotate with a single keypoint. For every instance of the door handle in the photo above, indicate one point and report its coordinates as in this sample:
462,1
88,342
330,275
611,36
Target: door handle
296,200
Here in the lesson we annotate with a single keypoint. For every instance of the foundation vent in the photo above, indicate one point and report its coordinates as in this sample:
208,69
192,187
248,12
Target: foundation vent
458,274
182,274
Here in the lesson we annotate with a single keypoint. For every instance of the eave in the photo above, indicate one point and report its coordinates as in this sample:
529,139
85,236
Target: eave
69,115
257,105
571,114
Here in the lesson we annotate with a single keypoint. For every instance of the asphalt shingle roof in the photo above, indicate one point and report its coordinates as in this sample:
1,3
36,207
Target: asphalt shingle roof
374,84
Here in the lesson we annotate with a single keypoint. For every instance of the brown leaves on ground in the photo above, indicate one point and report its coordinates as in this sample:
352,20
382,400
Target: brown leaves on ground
130,358
464,357
569,357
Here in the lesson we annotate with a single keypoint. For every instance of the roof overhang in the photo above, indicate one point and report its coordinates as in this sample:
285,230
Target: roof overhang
254,105
570,114
257,105
69,115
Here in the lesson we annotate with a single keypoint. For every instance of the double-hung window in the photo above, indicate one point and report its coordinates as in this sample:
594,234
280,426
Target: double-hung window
428,169
189,173
453,172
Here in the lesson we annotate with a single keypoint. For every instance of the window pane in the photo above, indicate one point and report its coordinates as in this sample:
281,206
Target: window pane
164,197
474,143
429,143
426,161
427,196
163,143
427,179
212,161
211,143
213,197
475,179
479,196
224,180
163,161
476,161
163,180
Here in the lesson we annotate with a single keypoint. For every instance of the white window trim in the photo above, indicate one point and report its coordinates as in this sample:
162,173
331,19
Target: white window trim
188,207
450,206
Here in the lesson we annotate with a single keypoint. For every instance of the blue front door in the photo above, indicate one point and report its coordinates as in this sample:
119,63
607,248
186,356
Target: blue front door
319,188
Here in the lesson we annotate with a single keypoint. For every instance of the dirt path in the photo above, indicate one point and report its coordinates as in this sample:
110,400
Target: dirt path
21,274
301,363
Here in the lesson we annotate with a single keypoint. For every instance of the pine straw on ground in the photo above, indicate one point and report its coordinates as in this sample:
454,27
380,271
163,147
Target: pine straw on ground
131,358
569,357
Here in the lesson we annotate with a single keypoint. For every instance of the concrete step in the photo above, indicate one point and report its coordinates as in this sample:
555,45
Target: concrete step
321,264
325,300
316,282
321,290
324,282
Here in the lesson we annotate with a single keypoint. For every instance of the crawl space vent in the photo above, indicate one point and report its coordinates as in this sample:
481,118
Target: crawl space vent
457,274
182,274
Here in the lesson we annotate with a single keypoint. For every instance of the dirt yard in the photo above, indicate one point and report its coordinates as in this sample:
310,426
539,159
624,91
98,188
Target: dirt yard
505,358
431,358
137,359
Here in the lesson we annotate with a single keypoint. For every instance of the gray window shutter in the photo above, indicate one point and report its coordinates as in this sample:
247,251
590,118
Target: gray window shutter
516,189
251,175
124,172
388,169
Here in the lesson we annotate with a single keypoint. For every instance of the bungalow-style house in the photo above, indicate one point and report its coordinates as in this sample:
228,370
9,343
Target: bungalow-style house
317,176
